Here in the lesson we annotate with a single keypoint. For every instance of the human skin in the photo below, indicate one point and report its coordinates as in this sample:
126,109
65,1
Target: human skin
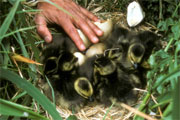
81,18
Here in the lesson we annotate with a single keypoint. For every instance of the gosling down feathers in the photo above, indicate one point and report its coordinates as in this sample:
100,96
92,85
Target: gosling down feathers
108,71
111,83
72,94
136,47
72,90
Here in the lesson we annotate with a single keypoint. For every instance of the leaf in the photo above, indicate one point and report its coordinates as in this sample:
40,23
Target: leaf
19,39
12,1
176,103
2,117
108,110
171,75
162,26
31,90
152,60
167,114
5,26
72,117
12,109
162,54
160,60
160,87
169,22
20,58
176,31
173,81
19,30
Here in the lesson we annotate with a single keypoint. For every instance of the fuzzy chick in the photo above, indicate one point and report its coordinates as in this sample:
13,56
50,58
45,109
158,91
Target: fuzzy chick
111,84
72,94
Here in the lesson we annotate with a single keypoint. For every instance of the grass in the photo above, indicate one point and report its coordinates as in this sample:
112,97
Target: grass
19,95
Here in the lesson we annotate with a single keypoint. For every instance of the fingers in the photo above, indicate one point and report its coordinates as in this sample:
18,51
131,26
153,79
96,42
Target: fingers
95,28
72,32
86,29
90,15
83,21
42,29
90,26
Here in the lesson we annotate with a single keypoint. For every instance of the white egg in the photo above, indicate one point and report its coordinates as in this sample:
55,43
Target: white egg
105,26
95,49
81,58
135,14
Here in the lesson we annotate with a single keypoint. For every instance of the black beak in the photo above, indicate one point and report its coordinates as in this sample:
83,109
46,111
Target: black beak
135,65
91,99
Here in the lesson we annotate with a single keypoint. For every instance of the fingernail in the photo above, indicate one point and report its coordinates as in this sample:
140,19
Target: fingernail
99,33
82,47
47,39
98,20
95,40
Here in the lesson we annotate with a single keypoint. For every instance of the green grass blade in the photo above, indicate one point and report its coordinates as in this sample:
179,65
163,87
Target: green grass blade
13,109
169,44
173,74
6,58
32,91
28,11
72,117
8,20
19,30
168,112
143,104
3,117
52,90
176,103
161,103
23,48
19,96
108,111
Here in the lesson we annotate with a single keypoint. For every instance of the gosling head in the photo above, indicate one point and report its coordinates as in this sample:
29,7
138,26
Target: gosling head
50,65
104,66
66,61
136,53
84,88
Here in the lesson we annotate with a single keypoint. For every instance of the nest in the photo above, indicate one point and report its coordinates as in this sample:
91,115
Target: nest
99,111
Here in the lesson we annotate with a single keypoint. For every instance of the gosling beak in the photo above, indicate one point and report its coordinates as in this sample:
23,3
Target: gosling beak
135,65
91,99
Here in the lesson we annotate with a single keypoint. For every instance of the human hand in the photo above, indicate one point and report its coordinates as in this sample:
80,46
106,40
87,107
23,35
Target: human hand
81,19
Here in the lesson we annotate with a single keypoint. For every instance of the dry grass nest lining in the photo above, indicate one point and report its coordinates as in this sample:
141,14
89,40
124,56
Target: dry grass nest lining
98,111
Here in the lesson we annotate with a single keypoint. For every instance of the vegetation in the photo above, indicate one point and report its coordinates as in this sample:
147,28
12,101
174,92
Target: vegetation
20,98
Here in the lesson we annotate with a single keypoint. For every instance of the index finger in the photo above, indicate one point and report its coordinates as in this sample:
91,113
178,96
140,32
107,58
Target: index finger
73,34
90,15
